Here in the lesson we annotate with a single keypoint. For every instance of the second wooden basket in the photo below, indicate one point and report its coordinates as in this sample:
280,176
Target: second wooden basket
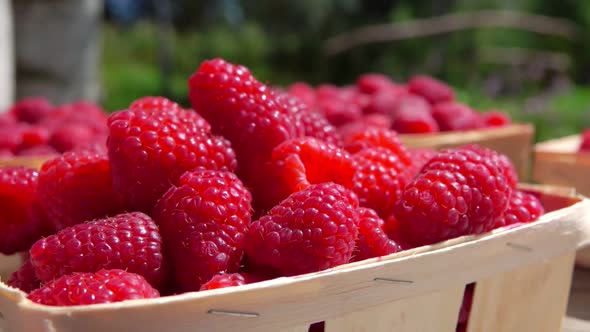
557,162
523,278
515,141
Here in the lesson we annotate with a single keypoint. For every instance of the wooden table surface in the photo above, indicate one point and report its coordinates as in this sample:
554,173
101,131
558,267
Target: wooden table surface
578,312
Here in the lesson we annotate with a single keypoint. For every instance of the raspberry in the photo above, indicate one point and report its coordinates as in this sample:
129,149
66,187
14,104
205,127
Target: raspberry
68,136
340,112
304,92
151,148
83,113
430,88
104,286
11,138
5,153
375,137
24,278
33,136
373,82
32,110
314,123
7,119
379,179
246,112
458,192
384,102
230,280
128,241
311,230
18,226
419,158
76,187
495,119
298,163
151,103
372,240
522,208
454,116
501,160
413,116
585,140
204,220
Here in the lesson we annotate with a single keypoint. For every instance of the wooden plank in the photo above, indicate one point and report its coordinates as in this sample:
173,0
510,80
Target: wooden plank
572,324
532,298
441,309
303,328
515,141
296,301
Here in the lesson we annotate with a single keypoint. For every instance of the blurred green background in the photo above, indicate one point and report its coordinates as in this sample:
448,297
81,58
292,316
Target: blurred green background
533,71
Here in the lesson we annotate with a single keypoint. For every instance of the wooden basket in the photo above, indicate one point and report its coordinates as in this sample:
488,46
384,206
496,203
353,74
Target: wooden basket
558,163
515,141
31,162
523,277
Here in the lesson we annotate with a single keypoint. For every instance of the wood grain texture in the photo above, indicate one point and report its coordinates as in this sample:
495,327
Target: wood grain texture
515,141
531,298
557,162
284,303
407,315
31,162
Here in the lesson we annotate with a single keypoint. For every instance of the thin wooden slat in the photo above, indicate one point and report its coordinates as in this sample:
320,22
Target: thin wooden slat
532,298
30,162
303,328
441,309
515,141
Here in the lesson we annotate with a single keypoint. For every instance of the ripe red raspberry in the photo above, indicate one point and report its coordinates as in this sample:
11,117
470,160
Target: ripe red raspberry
70,135
24,278
128,241
11,137
7,119
311,230
385,101
104,286
32,110
314,123
340,112
413,116
372,240
522,208
495,119
151,148
379,179
454,116
304,92
82,112
230,280
32,136
18,226
373,82
204,220
501,160
39,150
585,140
419,158
151,103
458,192
5,153
298,163
76,187
376,137
433,90
244,111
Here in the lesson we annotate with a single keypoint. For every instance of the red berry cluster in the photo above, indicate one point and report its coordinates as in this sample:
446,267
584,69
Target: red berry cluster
249,185
422,105
34,127
585,141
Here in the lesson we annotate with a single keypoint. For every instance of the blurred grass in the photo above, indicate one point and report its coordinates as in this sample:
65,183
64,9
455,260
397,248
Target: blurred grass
130,70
